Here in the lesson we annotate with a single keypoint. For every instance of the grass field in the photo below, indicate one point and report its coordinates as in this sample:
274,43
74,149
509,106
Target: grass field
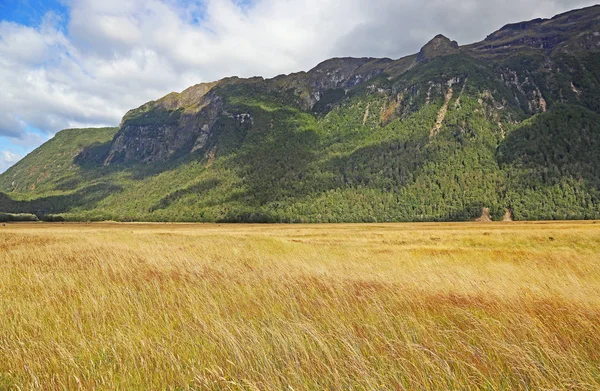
468,306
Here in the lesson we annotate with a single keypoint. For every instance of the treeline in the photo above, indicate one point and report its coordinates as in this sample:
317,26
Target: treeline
6,217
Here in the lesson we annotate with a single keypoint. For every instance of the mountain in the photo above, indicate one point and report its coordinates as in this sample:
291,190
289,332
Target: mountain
511,123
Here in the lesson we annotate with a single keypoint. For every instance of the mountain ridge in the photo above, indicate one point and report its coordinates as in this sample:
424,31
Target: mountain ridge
424,137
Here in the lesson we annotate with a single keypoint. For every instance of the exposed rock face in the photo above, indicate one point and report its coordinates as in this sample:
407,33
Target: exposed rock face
150,142
442,113
342,73
173,125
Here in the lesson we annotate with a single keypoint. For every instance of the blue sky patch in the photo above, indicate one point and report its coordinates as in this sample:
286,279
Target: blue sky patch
31,12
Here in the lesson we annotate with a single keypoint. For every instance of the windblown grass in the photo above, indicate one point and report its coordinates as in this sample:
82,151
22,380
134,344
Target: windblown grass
337,307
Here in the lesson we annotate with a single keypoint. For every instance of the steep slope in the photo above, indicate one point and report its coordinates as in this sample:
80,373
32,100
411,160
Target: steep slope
509,123
53,166
571,32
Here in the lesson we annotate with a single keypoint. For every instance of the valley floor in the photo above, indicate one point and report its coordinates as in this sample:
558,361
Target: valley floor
501,306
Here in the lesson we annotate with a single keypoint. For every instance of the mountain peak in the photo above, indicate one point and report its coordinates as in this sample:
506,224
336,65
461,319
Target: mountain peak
441,37
440,45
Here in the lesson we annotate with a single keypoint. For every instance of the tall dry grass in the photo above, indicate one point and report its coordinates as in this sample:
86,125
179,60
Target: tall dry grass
323,307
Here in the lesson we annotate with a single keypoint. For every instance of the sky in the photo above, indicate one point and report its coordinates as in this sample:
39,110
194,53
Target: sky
84,63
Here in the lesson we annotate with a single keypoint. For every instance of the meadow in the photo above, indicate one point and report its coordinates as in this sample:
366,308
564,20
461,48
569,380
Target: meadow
458,306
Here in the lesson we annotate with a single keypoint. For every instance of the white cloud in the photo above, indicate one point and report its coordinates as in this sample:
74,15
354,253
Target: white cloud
7,159
114,55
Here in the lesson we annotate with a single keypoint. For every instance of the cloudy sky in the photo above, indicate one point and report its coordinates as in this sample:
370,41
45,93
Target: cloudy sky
78,63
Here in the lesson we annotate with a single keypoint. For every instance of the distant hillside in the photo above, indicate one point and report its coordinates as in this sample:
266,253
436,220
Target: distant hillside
511,123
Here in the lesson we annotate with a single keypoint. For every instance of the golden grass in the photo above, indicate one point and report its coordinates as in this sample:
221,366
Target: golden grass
300,307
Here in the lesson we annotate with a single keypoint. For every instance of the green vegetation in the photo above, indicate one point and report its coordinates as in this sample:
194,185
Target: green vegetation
53,167
5,217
